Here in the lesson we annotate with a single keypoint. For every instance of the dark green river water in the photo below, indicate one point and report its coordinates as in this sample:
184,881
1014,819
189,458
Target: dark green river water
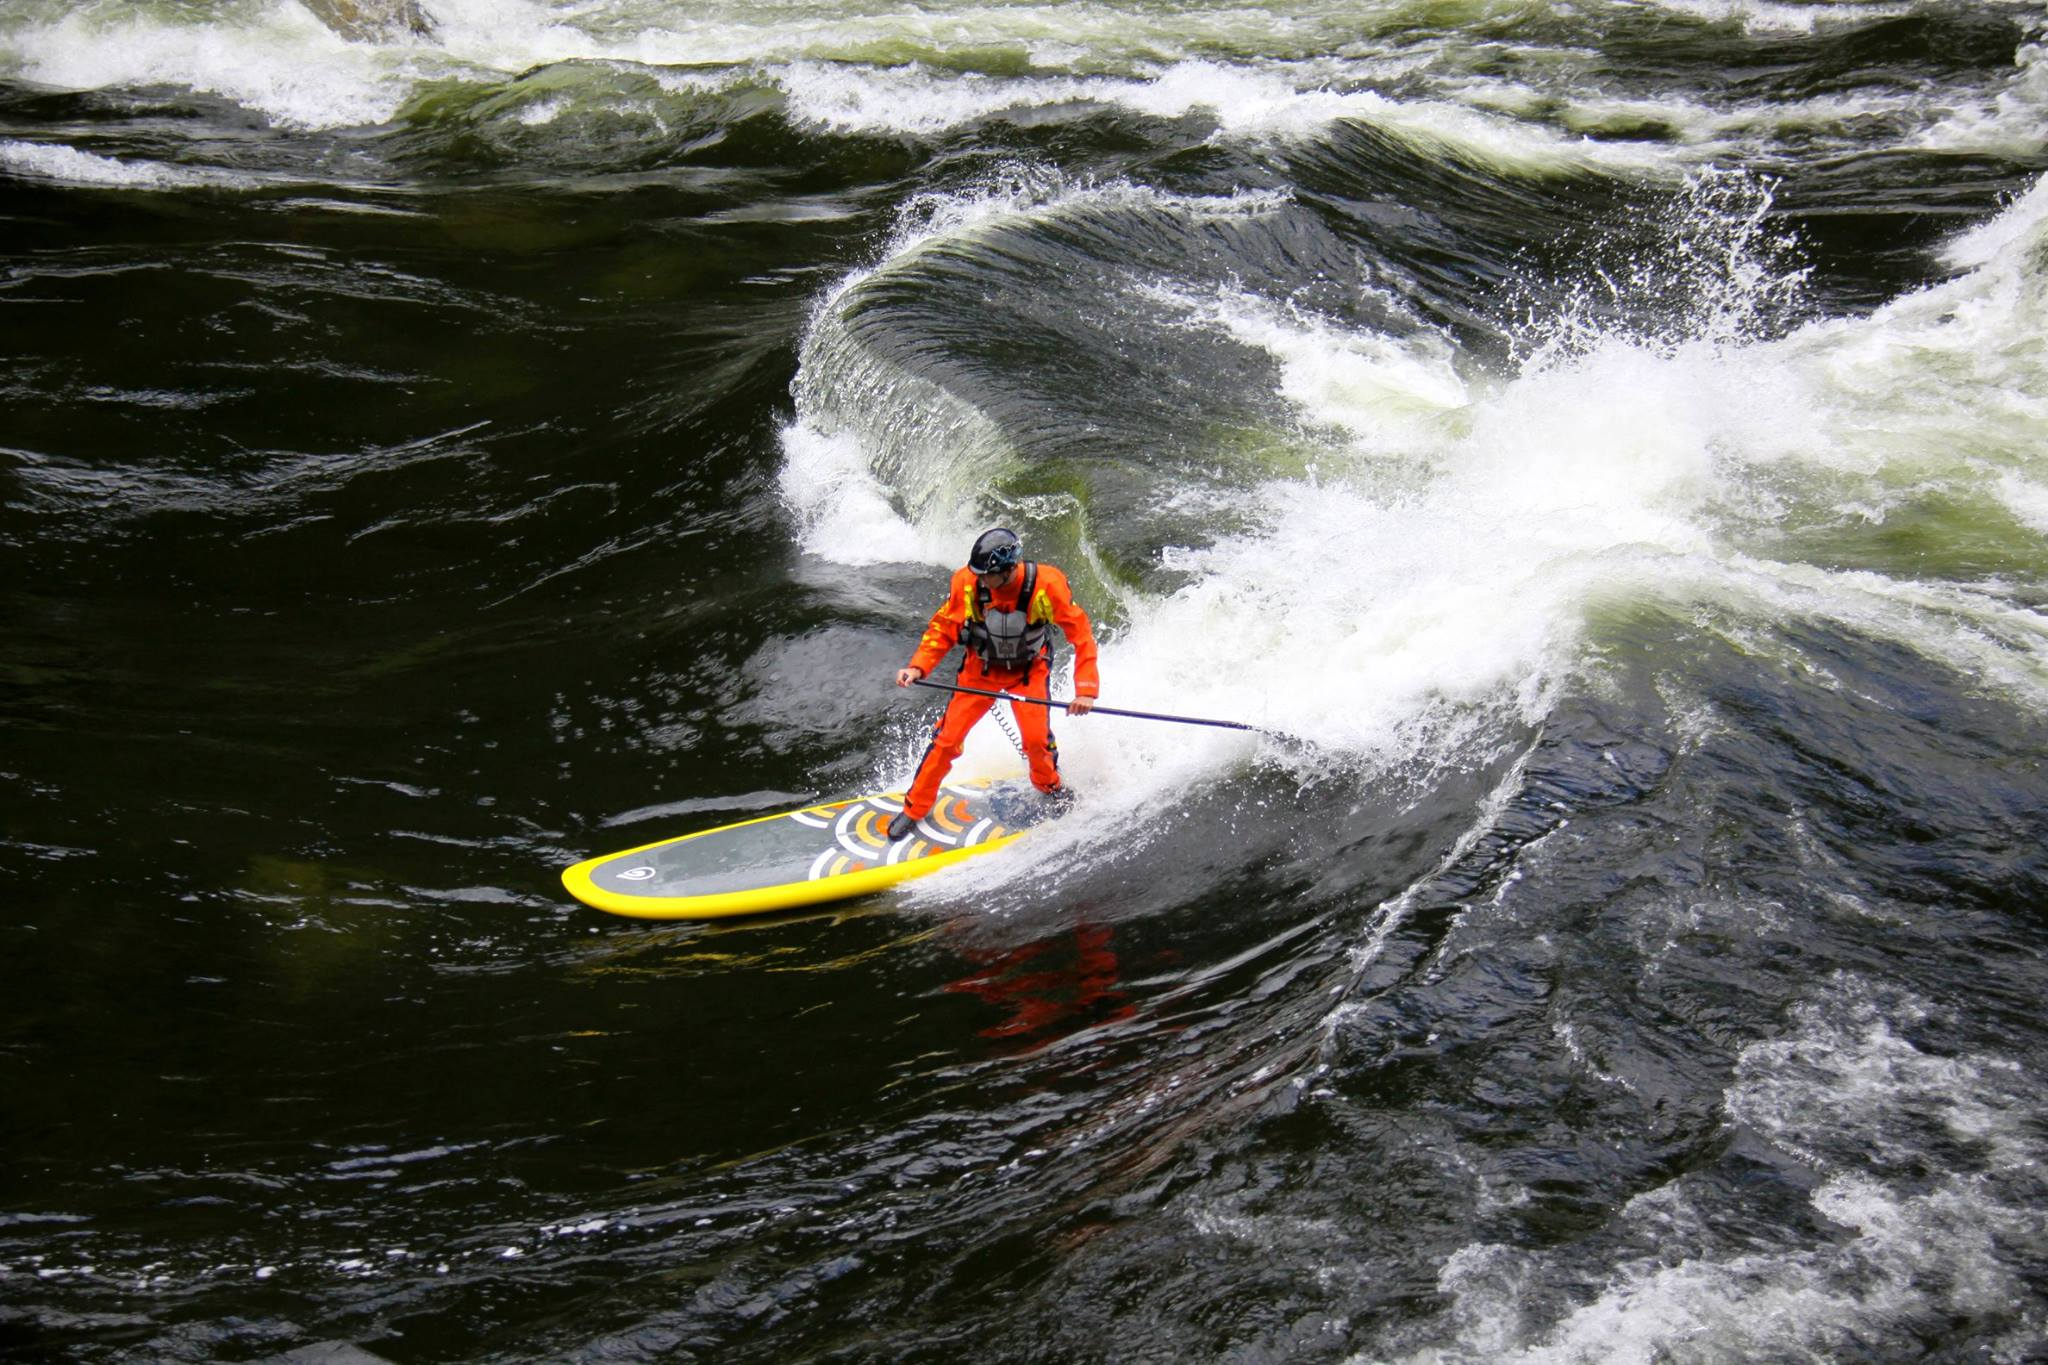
1608,443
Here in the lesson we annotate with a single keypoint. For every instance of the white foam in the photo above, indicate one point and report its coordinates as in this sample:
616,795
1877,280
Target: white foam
1849,1093
1761,16
2027,499
1391,391
1942,395
1471,546
2001,239
1262,102
506,37
1027,192
284,63
1927,1162
1513,127
544,111
843,511
51,162
845,99
2014,123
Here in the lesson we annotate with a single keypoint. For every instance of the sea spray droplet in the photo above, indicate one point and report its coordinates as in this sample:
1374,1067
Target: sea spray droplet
1711,265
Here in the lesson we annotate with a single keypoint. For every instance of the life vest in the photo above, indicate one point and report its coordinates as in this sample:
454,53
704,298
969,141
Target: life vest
1008,641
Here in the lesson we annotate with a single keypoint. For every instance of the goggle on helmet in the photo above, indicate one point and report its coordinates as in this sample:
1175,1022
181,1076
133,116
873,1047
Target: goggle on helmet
997,551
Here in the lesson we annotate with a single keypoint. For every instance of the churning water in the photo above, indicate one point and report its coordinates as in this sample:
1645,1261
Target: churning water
1608,444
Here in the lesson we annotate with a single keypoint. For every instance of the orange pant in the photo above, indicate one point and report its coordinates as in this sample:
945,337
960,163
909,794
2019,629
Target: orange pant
1034,727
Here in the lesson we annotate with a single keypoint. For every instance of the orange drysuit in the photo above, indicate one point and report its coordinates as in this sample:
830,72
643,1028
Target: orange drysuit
1052,600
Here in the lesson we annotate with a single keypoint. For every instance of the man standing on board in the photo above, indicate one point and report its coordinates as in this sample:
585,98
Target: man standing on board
1002,609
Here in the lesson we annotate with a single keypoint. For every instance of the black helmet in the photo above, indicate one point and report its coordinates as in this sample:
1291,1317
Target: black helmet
996,551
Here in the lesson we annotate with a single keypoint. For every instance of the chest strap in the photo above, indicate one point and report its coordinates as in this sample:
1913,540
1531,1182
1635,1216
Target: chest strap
1007,641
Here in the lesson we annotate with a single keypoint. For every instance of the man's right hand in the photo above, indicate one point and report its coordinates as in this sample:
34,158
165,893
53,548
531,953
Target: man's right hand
906,676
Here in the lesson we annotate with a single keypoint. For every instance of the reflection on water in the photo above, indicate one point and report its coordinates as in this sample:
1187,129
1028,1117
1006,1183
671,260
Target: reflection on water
1048,989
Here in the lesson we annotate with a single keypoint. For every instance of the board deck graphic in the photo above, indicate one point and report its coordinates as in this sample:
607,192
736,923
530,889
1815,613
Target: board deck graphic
802,857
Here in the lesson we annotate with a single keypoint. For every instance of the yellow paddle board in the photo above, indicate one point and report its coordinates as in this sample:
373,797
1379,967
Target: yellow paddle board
803,857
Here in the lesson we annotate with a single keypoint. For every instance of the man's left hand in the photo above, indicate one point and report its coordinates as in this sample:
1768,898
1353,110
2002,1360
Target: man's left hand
1080,706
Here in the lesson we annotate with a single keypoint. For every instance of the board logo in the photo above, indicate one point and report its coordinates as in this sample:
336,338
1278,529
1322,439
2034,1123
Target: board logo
636,874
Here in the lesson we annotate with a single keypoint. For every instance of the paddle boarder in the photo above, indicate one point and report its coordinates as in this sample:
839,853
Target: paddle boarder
1002,608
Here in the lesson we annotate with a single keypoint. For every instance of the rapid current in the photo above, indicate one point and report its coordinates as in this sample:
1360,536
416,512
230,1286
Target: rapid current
1606,441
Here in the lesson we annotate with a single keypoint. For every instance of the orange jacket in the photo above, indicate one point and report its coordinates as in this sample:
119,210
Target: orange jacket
1052,601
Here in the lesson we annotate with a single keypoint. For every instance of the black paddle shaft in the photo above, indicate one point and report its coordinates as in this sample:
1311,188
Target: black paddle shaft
1094,710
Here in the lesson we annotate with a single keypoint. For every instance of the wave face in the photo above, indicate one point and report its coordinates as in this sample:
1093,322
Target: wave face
1605,447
